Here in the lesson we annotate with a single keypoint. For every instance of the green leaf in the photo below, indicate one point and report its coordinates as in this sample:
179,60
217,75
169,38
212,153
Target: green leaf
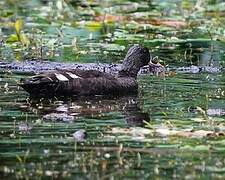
18,26
12,38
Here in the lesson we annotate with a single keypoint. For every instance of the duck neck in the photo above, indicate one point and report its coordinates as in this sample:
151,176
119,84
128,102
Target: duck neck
128,72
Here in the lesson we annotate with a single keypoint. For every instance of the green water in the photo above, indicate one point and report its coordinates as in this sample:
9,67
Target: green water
116,145
49,149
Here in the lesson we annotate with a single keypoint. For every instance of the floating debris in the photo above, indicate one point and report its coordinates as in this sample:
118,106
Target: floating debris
164,132
216,112
59,117
80,135
24,128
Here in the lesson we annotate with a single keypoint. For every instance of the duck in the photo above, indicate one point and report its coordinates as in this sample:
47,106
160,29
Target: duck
77,82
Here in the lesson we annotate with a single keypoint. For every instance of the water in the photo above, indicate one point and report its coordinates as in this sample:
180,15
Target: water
37,135
33,146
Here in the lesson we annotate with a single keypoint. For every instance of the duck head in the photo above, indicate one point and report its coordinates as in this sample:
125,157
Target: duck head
137,57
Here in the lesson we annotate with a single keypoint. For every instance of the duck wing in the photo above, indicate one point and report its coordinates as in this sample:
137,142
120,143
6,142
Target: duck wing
69,82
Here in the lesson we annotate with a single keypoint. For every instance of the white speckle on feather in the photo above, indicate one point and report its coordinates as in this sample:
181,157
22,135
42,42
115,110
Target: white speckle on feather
74,76
61,77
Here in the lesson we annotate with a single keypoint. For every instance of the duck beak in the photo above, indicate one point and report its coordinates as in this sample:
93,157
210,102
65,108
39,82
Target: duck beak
155,64
156,68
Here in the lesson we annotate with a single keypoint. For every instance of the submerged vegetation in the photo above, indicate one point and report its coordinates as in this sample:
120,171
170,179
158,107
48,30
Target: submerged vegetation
174,128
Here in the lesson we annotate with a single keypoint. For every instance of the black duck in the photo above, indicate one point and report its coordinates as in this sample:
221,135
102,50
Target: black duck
90,82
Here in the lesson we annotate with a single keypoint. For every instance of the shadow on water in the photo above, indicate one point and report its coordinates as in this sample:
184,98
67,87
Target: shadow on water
69,109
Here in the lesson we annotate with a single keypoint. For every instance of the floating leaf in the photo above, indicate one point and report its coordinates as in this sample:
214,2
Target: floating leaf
160,22
109,18
93,24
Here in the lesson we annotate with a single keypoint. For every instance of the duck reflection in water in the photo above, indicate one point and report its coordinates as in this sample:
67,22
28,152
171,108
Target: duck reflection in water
96,107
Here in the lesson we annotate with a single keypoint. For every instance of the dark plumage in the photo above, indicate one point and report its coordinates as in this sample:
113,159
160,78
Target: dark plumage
90,82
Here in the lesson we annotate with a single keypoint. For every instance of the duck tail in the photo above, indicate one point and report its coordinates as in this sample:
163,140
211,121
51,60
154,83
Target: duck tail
36,86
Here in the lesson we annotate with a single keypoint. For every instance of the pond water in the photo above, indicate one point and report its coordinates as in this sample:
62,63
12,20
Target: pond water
173,128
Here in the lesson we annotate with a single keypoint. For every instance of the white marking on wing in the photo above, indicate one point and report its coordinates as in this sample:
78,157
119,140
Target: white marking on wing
74,76
49,78
61,77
